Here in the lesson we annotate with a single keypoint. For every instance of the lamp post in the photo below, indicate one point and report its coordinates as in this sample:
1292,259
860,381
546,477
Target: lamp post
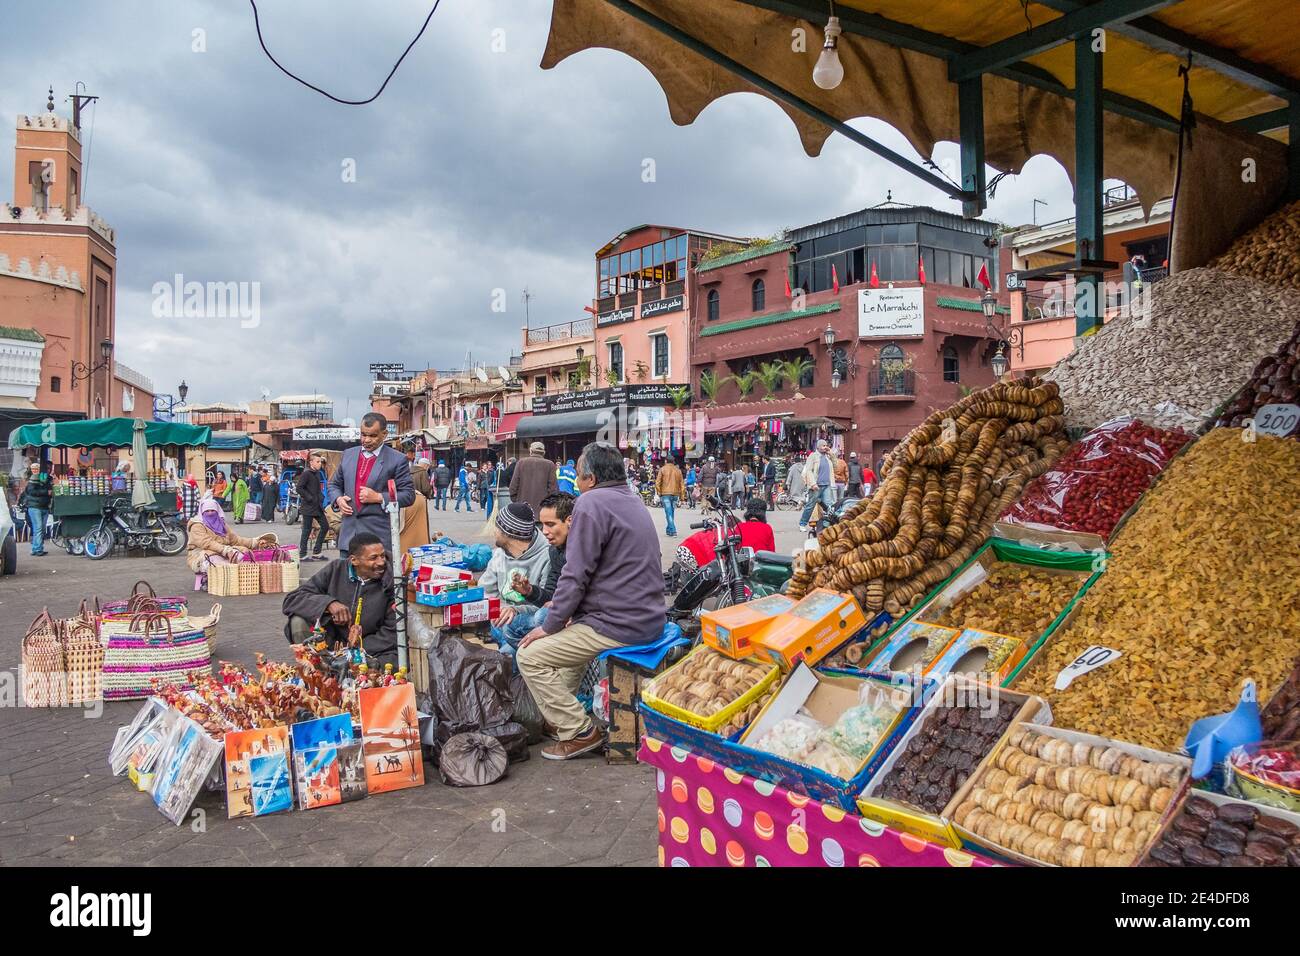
81,371
164,404
828,335
1007,338
999,363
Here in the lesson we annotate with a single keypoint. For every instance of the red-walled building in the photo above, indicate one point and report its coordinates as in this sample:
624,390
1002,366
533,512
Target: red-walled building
899,347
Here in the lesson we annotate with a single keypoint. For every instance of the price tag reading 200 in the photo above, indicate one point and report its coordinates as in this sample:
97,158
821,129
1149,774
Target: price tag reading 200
1279,420
1091,659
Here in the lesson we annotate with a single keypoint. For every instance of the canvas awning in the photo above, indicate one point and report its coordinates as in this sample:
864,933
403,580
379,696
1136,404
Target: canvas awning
510,424
898,54
106,433
730,423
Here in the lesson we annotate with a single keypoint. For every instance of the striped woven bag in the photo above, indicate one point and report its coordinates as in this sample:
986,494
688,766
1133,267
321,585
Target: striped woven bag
152,647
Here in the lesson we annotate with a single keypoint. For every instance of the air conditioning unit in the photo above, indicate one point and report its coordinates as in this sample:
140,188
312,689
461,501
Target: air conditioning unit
392,388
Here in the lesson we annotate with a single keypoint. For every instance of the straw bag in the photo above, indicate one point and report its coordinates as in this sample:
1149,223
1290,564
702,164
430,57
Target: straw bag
270,577
290,576
44,676
209,624
152,647
233,579
83,655
146,599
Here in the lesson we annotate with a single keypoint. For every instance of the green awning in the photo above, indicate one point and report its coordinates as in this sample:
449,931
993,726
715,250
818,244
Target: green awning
105,433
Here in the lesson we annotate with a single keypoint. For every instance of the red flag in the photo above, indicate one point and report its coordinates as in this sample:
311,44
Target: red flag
920,273
875,279
983,277
835,278
788,293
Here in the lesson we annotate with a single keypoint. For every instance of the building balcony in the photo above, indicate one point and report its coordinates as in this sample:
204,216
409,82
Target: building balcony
562,332
891,386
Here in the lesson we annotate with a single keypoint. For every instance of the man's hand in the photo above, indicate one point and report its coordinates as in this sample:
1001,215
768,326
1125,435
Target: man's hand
338,612
368,496
522,584
344,504
507,615
536,634
354,635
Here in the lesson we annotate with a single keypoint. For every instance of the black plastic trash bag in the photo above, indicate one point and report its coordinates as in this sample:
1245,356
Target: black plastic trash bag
513,737
526,710
472,760
470,684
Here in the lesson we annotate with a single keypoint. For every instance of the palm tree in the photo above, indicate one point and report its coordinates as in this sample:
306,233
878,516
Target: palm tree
710,385
745,381
680,394
411,733
794,371
769,376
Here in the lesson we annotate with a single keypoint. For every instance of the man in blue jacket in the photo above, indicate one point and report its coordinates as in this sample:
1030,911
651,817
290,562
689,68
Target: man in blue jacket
359,486
610,594
462,489
566,477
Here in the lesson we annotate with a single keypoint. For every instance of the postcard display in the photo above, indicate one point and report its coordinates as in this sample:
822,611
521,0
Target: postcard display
312,763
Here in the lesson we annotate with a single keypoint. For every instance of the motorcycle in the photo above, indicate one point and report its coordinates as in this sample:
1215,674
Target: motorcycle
119,521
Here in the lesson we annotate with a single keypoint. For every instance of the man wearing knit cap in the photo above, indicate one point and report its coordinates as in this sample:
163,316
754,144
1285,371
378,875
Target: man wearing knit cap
520,553
534,478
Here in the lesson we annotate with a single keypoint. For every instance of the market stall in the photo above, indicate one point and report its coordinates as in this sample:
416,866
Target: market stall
80,493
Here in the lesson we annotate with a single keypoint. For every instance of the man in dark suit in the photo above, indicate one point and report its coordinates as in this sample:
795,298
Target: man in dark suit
359,485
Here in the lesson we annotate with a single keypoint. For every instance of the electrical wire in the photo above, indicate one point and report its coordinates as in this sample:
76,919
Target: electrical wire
258,25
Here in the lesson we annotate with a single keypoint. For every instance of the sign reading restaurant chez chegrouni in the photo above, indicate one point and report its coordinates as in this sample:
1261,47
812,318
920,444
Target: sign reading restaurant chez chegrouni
655,393
891,313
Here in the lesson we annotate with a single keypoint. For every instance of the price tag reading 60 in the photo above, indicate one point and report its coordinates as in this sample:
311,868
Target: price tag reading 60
1094,657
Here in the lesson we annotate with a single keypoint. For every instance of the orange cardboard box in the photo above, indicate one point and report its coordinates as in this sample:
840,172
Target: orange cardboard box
811,629
731,630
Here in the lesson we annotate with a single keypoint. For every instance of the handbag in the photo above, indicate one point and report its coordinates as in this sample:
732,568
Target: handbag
150,650
270,578
234,579
44,681
83,656
144,597
208,622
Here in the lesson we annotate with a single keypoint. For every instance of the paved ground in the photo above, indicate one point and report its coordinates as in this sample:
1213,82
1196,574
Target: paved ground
60,805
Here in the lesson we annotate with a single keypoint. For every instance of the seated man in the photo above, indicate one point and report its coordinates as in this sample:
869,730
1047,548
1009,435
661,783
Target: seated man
519,553
754,532
335,593
556,517
609,595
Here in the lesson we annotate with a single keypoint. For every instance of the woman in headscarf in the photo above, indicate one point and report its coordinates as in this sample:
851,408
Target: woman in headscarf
212,541
220,487
239,498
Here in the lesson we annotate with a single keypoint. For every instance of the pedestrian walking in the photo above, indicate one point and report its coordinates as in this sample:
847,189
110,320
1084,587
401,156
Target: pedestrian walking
35,503
855,471
534,478
819,477
441,482
669,486
841,479
311,507
462,489
769,483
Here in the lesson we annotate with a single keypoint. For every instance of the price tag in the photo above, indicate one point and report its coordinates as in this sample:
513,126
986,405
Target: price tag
1279,420
1089,660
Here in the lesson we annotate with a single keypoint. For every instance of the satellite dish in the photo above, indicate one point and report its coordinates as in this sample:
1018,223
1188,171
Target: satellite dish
505,373
266,394
482,375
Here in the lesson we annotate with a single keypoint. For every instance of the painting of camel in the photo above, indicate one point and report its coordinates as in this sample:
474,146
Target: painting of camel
390,734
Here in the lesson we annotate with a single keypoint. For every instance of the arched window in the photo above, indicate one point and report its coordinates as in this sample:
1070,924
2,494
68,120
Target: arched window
758,295
891,355
951,368
713,305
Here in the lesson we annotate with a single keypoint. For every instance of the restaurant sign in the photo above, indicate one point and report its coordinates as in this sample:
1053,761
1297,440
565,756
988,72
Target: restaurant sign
673,303
890,313
653,394
615,316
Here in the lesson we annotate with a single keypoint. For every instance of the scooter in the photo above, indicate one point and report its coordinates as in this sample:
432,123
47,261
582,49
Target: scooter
120,520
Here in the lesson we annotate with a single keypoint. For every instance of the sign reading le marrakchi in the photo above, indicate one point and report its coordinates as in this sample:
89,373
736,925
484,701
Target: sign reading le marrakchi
889,313
653,394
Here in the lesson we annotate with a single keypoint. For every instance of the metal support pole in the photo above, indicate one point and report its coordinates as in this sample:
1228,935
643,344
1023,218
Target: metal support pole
1088,231
1293,149
970,114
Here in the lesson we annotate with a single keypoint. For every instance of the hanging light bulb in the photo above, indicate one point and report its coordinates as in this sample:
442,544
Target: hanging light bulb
829,72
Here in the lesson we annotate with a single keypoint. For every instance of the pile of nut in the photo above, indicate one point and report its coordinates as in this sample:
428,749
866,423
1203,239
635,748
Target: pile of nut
707,682
943,754
1015,599
941,490
1174,363
1275,381
1071,804
1269,251
1202,591
1230,834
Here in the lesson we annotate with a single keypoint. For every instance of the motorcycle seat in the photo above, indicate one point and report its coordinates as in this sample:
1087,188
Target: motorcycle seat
774,557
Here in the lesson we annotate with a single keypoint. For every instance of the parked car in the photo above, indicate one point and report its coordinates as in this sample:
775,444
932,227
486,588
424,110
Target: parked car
8,537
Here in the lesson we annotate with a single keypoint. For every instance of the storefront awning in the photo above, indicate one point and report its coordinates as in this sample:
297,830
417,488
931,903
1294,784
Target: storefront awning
563,423
510,424
731,423
106,433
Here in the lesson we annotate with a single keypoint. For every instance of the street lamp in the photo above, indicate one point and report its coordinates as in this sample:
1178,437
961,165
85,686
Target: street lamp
989,303
828,335
182,390
999,363
836,378
81,371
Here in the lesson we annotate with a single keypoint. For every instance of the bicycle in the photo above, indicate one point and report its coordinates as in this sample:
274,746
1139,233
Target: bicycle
783,500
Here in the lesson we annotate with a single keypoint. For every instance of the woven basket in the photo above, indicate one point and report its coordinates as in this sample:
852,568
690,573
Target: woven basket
44,674
209,624
234,580
290,576
153,648
144,598
250,578
83,655
270,578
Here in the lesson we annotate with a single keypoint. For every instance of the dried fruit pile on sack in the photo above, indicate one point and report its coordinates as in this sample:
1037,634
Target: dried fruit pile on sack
1202,591
1270,251
1099,478
1176,363
1275,381
941,490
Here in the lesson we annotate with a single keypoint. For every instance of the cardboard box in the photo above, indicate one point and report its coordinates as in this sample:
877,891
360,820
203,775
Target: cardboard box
460,615
1218,799
437,572
810,630
731,630
980,654
910,819
910,649
978,844
826,698
450,597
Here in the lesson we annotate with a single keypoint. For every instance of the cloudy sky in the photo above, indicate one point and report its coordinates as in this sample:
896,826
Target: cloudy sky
475,171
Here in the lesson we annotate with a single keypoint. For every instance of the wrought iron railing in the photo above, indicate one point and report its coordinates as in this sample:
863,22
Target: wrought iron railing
892,382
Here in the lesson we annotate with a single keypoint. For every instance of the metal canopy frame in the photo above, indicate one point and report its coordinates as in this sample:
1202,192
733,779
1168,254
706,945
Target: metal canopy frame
967,64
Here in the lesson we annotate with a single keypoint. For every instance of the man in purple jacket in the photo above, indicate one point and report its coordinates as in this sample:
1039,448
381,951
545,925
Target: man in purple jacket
609,595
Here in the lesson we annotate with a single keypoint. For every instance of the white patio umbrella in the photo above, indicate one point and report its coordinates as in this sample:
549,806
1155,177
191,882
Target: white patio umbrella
142,495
